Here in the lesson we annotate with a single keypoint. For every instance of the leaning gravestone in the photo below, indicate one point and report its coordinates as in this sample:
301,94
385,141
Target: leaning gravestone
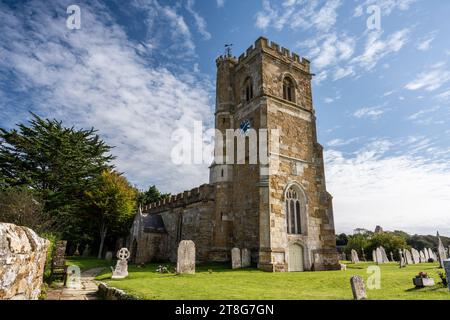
236,262
246,258
447,271
415,256
186,257
355,258
384,255
402,259
121,270
358,288
408,257
441,252
431,254
379,255
422,257
427,254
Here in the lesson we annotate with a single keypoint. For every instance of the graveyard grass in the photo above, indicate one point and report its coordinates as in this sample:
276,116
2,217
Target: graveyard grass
220,282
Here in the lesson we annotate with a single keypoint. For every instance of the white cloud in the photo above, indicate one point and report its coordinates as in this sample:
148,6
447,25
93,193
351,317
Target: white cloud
425,43
369,112
444,96
431,79
95,77
386,6
402,191
376,48
340,142
321,15
199,21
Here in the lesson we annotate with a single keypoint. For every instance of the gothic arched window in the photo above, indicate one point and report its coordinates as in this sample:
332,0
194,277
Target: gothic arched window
248,89
288,89
293,213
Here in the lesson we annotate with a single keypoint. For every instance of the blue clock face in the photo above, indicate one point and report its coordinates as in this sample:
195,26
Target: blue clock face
245,126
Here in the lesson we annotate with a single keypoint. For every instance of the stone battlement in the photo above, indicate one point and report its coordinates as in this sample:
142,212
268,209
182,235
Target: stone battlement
203,193
263,44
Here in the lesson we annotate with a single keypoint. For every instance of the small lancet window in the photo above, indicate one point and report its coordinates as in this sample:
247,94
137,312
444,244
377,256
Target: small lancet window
293,213
248,87
288,90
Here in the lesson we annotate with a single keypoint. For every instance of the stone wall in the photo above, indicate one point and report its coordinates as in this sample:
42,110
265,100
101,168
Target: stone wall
22,261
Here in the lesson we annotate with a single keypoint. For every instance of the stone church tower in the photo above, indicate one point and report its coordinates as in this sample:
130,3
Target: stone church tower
278,206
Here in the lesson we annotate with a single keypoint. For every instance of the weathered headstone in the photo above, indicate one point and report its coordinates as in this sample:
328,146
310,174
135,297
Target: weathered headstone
236,262
379,255
427,254
384,255
374,256
246,258
73,277
402,259
408,257
86,251
186,257
121,270
431,254
447,271
441,252
358,288
422,257
355,258
363,255
108,255
415,256
77,251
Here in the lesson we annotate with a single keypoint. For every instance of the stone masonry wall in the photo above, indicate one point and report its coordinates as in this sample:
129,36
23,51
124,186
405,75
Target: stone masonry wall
22,260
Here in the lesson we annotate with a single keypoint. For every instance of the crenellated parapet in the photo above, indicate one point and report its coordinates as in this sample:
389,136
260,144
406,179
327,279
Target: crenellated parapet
203,193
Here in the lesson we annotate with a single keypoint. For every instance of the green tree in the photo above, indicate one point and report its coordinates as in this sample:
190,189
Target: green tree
113,202
390,241
357,242
58,163
151,195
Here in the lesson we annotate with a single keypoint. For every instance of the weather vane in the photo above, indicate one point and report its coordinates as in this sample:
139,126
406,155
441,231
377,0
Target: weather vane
228,48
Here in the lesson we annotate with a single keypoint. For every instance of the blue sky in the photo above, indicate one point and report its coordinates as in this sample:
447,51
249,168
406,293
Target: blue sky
137,70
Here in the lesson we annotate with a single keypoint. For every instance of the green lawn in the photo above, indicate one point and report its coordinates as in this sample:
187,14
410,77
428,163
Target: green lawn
86,263
224,283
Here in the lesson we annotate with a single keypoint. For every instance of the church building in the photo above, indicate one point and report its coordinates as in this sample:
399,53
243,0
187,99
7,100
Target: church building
277,207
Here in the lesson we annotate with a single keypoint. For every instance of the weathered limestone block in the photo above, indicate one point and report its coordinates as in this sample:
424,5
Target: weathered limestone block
246,258
236,262
186,257
358,288
22,261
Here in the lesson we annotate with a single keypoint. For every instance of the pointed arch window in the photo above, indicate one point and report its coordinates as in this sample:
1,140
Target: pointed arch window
293,213
288,89
248,89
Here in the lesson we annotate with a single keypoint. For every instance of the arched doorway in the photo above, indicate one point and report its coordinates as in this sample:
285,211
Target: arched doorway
296,262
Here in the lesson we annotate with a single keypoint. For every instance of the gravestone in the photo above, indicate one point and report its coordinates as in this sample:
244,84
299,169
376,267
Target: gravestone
392,256
236,262
384,255
379,255
186,257
431,254
415,256
427,254
441,252
86,251
58,266
246,258
355,258
358,288
121,270
374,256
108,255
447,271
73,278
408,257
422,257
402,259
77,251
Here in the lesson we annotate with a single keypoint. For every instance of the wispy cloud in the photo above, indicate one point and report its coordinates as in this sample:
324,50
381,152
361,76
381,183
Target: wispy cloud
386,6
199,20
369,112
424,43
431,79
